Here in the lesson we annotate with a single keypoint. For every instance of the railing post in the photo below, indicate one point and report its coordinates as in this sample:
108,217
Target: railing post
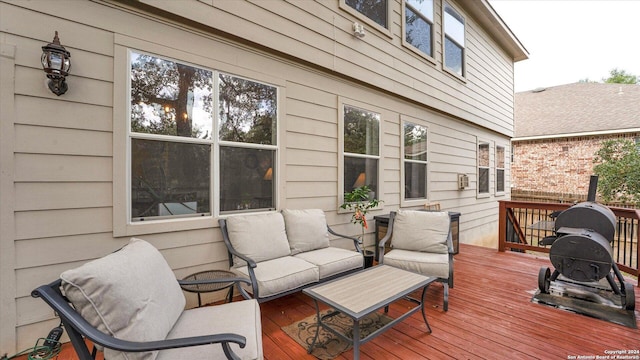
502,226
637,248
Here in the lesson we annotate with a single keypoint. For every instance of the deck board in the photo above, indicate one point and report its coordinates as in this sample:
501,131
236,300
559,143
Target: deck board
490,316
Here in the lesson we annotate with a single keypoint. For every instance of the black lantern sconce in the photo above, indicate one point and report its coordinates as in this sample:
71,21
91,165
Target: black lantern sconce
56,63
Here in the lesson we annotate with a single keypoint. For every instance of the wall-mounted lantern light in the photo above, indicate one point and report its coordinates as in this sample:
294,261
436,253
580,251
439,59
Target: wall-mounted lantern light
56,64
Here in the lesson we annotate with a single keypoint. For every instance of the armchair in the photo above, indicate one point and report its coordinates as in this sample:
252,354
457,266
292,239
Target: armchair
130,306
421,242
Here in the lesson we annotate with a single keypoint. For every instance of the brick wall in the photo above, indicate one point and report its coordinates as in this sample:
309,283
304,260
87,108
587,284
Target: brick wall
561,165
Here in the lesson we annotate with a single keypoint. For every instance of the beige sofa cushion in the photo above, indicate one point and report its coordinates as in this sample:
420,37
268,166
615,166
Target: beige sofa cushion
306,229
429,264
240,317
333,260
130,294
280,275
261,237
425,231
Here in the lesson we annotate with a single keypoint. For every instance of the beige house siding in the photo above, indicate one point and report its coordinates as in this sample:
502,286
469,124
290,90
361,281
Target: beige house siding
64,162
563,165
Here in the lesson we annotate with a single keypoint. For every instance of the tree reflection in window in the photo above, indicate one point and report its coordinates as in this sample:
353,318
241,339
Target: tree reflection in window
375,10
168,98
248,111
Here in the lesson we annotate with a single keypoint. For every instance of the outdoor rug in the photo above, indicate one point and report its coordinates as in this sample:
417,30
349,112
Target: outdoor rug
611,314
328,346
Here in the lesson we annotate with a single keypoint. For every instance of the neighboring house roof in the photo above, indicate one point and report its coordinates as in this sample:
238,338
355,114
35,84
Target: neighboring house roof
576,109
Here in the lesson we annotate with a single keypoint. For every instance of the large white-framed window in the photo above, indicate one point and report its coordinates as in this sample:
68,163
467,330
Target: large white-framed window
418,27
414,162
484,163
200,142
454,41
500,169
374,13
359,142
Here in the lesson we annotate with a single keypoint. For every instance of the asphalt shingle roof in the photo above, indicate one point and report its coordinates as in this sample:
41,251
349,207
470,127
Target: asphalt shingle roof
576,108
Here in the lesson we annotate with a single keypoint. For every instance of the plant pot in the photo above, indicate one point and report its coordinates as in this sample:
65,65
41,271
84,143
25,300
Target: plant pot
368,258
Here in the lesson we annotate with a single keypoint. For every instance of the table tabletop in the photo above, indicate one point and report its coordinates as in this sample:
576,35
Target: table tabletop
361,293
208,275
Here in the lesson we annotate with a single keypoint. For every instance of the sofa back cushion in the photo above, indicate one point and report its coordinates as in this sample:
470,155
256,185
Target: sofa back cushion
261,237
306,229
131,294
425,231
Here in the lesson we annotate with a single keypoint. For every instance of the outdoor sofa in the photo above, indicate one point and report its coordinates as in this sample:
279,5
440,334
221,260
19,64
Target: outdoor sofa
284,252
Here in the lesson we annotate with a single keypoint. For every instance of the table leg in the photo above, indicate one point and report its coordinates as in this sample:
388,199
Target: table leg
315,338
424,316
356,339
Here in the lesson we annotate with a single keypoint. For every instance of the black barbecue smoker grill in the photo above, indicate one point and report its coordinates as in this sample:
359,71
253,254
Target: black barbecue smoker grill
582,256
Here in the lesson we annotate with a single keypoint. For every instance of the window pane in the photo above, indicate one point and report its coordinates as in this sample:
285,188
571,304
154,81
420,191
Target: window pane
500,157
359,172
453,56
246,179
375,10
424,7
499,180
248,111
169,178
415,180
361,131
483,180
415,142
169,98
483,155
454,25
417,31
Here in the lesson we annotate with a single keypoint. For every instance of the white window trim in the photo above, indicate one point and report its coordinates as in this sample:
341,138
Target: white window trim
480,195
504,169
463,77
362,17
430,58
122,224
341,154
413,202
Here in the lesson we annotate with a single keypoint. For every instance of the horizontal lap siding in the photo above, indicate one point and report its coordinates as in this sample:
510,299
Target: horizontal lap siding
64,159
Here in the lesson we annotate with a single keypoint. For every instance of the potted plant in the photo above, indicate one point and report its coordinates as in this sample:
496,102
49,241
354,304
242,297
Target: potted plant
360,200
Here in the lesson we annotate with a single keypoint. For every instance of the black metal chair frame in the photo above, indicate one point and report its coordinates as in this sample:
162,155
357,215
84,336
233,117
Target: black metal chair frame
78,328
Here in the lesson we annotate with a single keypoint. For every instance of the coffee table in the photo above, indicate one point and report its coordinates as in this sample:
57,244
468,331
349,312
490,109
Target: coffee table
360,294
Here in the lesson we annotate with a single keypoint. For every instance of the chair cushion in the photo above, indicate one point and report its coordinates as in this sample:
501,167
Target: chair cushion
306,229
332,260
131,294
280,275
421,231
260,237
240,317
429,264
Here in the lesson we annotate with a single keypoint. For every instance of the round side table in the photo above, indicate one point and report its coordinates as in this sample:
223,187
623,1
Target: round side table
210,275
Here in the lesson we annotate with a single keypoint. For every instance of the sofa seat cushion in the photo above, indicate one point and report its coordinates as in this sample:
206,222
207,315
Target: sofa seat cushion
421,231
429,264
241,317
332,260
130,294
282,274
306,229
259,236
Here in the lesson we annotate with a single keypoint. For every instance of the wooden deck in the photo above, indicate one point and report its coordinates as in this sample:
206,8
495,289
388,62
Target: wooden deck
490,316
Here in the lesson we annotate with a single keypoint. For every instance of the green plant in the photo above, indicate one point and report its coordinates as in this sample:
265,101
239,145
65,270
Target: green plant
360,201
617,163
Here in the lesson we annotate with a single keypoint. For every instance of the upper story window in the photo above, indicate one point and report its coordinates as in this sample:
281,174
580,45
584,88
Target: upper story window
415,161
172,151
376,10
454,40
500,164
361,150
483,168
418,25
